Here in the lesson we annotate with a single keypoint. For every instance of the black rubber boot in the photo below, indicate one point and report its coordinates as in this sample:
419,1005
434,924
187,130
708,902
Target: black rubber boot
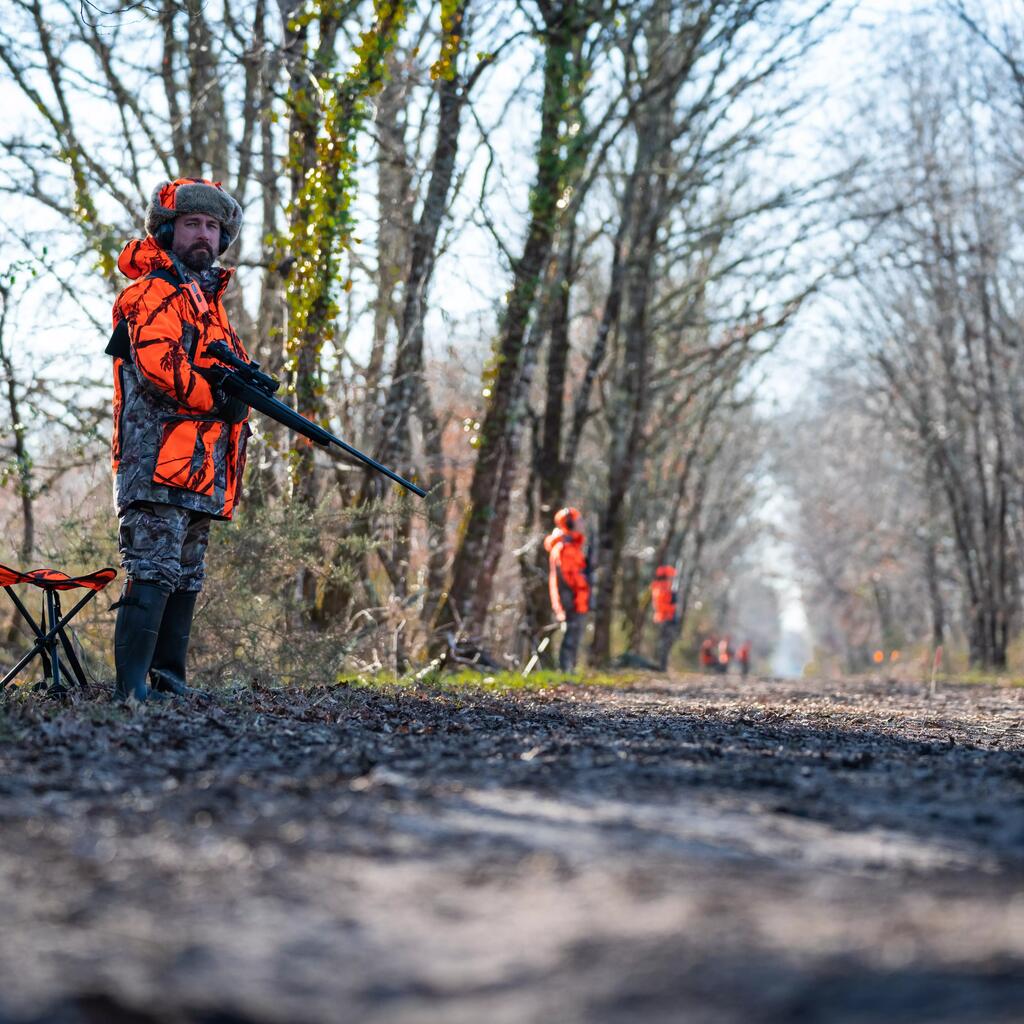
138,623
167,672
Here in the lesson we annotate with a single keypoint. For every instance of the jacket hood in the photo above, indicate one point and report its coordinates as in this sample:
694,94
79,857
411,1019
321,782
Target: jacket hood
558,534
141,256
664,572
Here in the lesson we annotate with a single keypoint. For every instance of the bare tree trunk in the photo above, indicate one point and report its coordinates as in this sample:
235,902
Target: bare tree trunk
548,471
305,125
171,56
630,402
408,393
469,594
22,459
437,509
263,483
395,225
407,377
609,323
207,121
635,602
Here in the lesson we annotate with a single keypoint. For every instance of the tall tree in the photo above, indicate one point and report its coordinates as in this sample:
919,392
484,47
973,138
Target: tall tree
560,148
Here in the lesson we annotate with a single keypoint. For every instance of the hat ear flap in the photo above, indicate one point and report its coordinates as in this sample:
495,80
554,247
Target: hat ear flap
225,241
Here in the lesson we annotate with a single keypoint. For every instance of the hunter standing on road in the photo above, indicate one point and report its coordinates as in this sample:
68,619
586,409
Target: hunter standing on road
179,443
568,583
666,611
743,657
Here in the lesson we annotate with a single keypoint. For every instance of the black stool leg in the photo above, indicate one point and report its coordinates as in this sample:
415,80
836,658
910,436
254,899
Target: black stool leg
73,668
69,650
25,614
44,652
58,689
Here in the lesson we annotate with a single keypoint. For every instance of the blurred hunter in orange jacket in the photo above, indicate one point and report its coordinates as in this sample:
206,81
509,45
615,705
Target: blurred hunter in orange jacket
568,584
178,448
663,600
663,594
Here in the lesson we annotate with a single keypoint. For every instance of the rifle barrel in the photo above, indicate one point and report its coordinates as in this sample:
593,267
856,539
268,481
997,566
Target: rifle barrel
273,407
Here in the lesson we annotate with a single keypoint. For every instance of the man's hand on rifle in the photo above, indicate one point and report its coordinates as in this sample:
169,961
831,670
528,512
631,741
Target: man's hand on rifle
228,408
231,410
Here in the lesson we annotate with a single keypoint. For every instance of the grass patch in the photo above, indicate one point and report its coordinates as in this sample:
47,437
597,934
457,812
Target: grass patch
981,677
544,679
500,682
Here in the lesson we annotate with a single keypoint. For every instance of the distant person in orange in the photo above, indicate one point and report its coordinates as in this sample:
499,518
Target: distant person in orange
724,654
666,611
743,657
708,660
567,582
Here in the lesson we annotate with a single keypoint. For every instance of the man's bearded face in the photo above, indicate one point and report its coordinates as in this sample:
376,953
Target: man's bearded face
196,240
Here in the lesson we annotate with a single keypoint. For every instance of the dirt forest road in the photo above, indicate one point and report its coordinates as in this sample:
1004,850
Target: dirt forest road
682,849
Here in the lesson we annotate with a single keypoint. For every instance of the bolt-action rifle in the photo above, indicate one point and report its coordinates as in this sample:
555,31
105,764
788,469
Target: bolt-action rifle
249,384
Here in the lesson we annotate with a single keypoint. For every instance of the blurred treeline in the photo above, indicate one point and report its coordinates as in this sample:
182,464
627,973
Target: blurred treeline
907,464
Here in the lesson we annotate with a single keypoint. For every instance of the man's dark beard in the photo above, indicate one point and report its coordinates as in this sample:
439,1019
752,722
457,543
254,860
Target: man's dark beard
199,257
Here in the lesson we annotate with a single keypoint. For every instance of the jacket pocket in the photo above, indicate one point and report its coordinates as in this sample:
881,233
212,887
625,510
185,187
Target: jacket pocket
188,454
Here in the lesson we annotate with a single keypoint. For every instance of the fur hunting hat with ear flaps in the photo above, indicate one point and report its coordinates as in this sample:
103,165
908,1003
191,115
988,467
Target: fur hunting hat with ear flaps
171,199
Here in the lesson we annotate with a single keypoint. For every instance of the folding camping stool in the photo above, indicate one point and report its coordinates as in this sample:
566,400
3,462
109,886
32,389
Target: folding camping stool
52,625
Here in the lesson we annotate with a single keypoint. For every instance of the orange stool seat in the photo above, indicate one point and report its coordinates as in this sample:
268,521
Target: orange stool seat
51,630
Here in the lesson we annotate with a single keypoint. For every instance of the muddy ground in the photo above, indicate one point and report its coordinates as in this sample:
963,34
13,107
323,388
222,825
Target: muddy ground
679,850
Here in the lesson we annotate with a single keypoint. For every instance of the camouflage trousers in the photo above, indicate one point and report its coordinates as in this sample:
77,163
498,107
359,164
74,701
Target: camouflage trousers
164,545
667,633
573,633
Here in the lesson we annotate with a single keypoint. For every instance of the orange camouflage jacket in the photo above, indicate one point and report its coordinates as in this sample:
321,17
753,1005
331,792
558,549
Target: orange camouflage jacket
169,443
664,600
567,582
